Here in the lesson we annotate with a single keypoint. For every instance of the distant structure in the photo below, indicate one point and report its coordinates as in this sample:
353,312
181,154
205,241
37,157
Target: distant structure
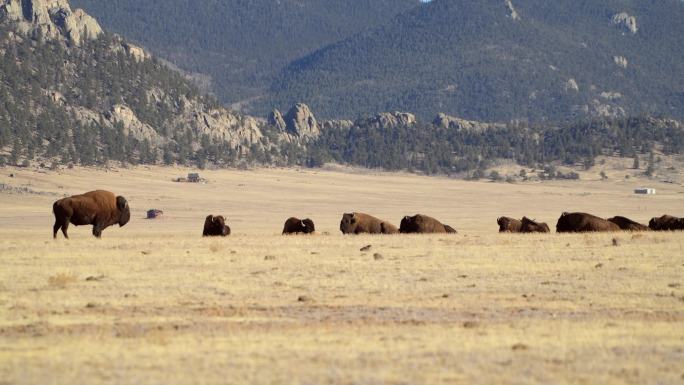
193,177
645,191
154,214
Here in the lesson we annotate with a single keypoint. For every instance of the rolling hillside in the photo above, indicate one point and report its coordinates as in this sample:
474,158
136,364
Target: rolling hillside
498,60
239,45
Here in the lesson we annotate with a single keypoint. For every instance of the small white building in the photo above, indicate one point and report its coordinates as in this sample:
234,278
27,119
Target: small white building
645,191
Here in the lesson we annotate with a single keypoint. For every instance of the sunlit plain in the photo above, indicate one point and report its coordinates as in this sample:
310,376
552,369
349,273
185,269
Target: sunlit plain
154,302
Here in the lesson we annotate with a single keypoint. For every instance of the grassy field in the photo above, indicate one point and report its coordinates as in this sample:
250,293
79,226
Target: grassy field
153,302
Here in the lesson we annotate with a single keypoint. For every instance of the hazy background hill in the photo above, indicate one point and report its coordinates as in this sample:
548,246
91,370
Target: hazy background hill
485,60
240,44
492,60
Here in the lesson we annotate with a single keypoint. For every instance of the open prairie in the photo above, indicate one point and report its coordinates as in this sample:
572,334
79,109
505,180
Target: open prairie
154,302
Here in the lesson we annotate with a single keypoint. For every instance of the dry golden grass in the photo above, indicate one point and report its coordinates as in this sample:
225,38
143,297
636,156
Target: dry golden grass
61,280
153,302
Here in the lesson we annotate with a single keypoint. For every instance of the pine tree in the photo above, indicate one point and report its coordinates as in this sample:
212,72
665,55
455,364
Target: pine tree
16,151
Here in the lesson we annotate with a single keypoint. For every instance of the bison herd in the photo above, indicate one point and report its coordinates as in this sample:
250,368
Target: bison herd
102,209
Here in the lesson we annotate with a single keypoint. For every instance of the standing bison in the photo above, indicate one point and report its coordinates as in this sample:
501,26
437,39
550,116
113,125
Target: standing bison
423,224
628,224
508,225
666,223
299,226
583,223
98,208
360,223
215,226
530,226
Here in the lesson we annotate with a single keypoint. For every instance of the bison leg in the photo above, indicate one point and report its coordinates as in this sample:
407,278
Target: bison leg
65,227
55,229
97,230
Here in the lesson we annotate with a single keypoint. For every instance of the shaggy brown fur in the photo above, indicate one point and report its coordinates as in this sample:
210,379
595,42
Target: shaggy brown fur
359,223
582,223
628,224
530,226
299,226
509,225
98,208
423,224
666,223
215,226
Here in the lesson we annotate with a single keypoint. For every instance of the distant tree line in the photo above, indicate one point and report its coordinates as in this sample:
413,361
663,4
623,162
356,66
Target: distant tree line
432,150
44,85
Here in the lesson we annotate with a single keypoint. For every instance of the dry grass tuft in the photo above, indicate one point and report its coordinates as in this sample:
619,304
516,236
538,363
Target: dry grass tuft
215,247
61,280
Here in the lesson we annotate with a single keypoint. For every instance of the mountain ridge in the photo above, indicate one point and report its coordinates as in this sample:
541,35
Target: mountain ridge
556,61
240,44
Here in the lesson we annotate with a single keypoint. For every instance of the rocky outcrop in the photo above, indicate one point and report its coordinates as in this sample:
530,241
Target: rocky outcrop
512,11
299,122
446,121
571,85
275,119
50,19
610,95
220,124
137,53
389,120
599,109
621,61
337,124
626,22
123,115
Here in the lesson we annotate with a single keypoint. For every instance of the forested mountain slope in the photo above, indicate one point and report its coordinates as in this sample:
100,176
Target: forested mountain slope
498,60
72,93
240,44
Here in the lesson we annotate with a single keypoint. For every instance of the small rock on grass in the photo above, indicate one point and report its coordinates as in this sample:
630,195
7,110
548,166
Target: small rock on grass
377,256
366,248
519,346
304,298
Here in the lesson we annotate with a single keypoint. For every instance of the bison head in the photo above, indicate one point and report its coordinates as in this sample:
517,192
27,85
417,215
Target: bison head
216,225
348,223
408,224
124,210
308,226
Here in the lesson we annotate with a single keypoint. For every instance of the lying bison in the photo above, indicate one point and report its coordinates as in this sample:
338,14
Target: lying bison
583,223
530,226
215,226
508,225
423,224
628,224
666,223
98,208
359,223
298,226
